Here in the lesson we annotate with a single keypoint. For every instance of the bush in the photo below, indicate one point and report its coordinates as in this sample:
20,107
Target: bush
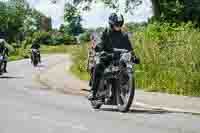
62,39
170,58
85,37
27,42
79,56
67,39
42,37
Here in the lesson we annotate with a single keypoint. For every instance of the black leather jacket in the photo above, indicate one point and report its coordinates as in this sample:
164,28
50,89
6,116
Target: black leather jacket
113,39
3,50
35,46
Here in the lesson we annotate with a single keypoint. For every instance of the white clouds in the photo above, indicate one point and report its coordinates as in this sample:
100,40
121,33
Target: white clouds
55,11
4,0
99,14
96,17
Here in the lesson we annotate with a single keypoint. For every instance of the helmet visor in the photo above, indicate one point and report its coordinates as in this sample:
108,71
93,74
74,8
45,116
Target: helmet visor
118,24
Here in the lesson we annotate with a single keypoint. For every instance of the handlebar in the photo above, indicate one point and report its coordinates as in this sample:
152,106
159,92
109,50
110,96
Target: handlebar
120,50
112,52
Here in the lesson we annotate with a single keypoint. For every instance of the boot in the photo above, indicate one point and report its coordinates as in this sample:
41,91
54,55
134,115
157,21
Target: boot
92,95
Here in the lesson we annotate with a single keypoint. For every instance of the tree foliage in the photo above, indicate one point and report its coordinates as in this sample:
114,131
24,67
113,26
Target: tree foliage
17,19
167,10
72,20
32,21
11,18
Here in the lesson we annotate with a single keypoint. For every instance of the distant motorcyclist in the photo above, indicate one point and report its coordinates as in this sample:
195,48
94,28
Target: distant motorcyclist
112,37
4,53
36,46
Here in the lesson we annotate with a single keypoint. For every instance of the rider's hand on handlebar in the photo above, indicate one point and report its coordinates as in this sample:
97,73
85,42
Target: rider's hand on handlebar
135,60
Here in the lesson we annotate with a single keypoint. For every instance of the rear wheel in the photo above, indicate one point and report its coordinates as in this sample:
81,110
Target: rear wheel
35,60
125,93
35,63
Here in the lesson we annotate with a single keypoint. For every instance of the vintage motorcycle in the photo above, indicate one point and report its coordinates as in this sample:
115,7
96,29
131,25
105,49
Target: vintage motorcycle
2,63
35,57
117,85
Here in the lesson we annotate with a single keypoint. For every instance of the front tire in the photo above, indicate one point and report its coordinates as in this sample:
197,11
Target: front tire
95,104
1,66
125,95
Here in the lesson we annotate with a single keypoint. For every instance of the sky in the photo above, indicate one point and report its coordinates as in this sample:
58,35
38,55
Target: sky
96,17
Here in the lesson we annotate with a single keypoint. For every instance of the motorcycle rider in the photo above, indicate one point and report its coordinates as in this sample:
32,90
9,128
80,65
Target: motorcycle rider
112,37
91,55
4,53
36,46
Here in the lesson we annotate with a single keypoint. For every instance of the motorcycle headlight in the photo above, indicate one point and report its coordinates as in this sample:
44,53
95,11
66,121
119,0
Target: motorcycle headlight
1,57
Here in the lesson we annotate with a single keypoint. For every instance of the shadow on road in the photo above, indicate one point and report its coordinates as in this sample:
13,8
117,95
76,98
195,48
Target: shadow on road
149,111
10,77
139,111
85,90
41,65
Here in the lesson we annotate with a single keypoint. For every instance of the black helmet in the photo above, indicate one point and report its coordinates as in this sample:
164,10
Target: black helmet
116,20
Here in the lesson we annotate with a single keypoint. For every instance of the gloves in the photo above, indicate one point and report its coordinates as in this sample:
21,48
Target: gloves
135,60
116,56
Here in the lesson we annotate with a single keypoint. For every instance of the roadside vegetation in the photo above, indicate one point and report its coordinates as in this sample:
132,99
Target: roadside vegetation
168,45
170,58
21,25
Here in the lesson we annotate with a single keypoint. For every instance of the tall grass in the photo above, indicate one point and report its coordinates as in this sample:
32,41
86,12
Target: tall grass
79,56
170,59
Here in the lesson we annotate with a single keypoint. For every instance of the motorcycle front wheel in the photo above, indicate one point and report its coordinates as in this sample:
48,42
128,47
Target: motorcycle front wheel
1,67
96,104
125,93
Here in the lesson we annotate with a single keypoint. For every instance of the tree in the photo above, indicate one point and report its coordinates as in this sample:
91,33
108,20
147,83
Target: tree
156,8
32,21
192,10
129,4
170,10
17,19
11,19
62,28
72,20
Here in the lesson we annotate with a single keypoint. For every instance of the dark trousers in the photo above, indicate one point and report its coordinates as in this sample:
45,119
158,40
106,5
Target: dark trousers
98,73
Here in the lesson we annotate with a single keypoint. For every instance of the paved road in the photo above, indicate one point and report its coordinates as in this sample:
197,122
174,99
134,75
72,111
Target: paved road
25,108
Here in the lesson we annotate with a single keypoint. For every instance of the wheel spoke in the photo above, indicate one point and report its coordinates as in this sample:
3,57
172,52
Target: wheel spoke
124,94
123,98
